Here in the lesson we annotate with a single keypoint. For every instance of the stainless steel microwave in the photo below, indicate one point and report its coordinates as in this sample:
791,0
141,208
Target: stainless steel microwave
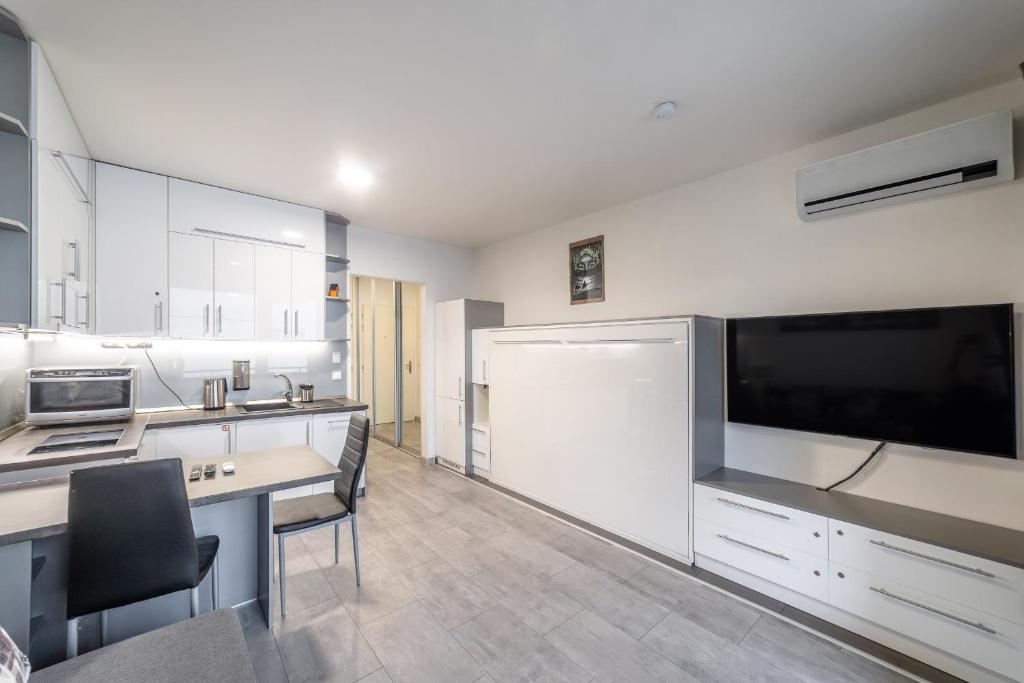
62,395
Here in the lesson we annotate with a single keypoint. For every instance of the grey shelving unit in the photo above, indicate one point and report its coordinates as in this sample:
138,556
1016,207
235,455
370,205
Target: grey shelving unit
336,307
16,172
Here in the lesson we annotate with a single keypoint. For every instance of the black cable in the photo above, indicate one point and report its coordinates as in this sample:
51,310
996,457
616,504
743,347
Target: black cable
157,373
864,464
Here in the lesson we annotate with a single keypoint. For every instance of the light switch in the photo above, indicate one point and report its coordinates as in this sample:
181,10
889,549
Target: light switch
335,374
336,357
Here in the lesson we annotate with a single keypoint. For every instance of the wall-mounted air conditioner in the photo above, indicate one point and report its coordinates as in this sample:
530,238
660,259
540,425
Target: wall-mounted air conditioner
961,156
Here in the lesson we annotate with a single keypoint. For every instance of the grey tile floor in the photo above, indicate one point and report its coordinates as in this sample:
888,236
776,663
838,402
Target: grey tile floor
460,583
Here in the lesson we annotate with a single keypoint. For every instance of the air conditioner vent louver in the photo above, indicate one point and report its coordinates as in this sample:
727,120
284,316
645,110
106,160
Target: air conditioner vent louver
965,155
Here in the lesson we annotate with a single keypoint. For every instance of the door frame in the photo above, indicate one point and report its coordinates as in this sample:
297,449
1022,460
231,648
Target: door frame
359,342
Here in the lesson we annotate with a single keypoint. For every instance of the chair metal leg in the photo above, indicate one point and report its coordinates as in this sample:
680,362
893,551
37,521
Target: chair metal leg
215,582
280,568
355,546
72,646
337,541
104,621
193,601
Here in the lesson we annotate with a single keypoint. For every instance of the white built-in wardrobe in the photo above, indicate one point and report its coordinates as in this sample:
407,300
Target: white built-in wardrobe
610,421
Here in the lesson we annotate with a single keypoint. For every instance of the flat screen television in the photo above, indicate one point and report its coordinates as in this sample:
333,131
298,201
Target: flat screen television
933,377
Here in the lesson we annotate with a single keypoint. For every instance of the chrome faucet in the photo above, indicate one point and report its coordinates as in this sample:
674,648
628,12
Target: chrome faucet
288,392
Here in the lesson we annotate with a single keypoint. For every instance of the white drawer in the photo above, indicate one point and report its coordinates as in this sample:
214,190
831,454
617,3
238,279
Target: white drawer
764,558
481,440
802,531
983,639
481,460
991,587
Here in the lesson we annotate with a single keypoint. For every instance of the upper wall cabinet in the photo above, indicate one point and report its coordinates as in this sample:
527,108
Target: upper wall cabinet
211,286
131,252
200,209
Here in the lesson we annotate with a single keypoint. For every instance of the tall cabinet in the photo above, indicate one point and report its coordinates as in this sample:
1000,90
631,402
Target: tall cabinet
454,322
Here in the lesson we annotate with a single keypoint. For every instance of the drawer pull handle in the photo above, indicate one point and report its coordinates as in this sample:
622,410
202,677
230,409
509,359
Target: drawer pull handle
479,452
753,547
973,624
973,570
751,507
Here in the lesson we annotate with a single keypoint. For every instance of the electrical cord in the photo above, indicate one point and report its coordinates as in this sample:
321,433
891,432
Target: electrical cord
157,373
878,449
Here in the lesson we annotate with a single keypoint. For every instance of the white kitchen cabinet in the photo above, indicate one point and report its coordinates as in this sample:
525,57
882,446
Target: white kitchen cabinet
190,285
62,260
205,209
308,293
131,252
450,331
256,435
194,441
329,434
273,292
211,284
234,279
479,355
289,294
451,431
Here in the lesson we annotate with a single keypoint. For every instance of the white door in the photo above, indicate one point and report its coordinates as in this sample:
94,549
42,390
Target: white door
480,339
256,435
194,442
410,354
131,252
308,293
450,342
234,279
273,292
190,286
451,430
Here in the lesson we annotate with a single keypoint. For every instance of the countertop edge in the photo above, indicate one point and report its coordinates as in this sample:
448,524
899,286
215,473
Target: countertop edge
908,522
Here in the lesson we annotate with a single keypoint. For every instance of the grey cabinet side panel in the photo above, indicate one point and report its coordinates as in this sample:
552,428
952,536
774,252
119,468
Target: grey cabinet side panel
709,396
15,591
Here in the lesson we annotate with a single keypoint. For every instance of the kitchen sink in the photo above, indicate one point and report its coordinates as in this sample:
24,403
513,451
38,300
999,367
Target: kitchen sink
268,407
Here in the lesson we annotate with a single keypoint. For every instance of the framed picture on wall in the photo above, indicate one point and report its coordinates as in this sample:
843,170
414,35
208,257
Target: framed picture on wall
586,271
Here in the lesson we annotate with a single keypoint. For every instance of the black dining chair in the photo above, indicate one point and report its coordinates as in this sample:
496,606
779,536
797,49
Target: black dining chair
299,515
130,538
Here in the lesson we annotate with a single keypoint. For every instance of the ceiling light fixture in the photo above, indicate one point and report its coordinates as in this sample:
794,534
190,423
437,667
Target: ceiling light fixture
665,111
355,177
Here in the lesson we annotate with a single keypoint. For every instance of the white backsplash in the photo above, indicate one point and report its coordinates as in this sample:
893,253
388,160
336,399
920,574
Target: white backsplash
14,360
184,364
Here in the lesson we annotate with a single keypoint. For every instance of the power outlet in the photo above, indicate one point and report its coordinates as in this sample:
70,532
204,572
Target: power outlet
336,357
335,374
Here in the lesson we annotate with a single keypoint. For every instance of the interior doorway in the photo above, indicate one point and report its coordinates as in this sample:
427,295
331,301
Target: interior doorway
388,343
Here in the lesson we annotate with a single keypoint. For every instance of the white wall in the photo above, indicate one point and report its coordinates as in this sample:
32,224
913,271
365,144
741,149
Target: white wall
732,244
446,273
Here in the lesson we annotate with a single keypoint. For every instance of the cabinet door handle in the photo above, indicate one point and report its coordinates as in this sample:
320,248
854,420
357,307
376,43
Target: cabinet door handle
752,508
286,323
220,319
973,570
85,319
206,320
307,433
156,318
295,330
71,260
753,547
50,285
338,422
460,414
934,610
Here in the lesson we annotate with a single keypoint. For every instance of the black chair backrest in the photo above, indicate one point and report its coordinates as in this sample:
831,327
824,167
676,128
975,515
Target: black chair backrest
353,459
130,535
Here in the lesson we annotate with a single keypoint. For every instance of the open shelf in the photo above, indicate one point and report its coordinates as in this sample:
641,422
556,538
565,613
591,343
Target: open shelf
12,224
334,258
337,339
12,125
338,299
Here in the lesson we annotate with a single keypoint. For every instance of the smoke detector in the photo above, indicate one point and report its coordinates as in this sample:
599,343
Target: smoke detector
665,111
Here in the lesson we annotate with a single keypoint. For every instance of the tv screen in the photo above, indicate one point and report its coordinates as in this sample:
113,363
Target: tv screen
935,377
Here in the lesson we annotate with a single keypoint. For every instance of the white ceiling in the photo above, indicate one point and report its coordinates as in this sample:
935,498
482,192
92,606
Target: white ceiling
484,119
